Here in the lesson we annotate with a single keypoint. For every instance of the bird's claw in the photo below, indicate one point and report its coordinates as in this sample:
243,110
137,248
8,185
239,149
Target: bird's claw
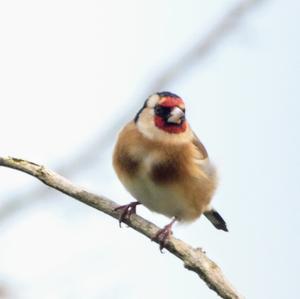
127,211
162,236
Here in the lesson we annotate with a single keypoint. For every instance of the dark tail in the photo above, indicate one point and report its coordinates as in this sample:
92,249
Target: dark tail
215,218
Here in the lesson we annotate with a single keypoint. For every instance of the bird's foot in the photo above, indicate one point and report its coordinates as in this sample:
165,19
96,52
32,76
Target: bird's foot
127,211
163,234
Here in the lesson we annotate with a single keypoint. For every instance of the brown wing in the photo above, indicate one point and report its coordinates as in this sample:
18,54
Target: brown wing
200,147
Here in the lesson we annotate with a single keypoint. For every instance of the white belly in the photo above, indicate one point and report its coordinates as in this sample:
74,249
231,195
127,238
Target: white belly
186,201
163,199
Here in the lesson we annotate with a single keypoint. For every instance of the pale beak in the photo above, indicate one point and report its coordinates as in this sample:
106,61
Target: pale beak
176,116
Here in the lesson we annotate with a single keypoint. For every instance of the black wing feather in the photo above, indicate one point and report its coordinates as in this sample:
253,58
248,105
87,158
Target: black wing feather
216,219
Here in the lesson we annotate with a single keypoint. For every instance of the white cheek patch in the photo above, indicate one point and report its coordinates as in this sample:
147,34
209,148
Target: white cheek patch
146,126
153,100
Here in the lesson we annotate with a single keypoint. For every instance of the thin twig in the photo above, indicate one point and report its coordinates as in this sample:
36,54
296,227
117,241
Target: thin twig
201,48
193,259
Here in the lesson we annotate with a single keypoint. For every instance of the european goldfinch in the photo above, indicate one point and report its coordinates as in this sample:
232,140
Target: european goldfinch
164,166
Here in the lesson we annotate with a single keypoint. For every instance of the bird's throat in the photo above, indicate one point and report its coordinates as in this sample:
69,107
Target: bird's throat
170,127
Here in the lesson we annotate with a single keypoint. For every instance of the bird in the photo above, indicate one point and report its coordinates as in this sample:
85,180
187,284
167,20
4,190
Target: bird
164,165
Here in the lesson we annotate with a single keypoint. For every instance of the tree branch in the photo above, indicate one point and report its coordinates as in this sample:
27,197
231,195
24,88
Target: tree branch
193,259
205,45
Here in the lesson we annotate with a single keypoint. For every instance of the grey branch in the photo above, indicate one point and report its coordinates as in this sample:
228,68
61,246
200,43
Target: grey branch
193,259
205,45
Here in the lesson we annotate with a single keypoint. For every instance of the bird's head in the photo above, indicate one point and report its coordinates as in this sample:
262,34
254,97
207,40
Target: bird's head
162,115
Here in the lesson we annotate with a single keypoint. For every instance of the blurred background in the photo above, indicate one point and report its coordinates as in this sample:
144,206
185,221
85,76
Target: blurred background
73,72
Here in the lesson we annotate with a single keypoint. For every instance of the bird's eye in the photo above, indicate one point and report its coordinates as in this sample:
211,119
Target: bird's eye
162,111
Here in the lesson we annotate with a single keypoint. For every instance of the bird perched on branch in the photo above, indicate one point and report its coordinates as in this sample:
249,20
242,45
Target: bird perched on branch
164,166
